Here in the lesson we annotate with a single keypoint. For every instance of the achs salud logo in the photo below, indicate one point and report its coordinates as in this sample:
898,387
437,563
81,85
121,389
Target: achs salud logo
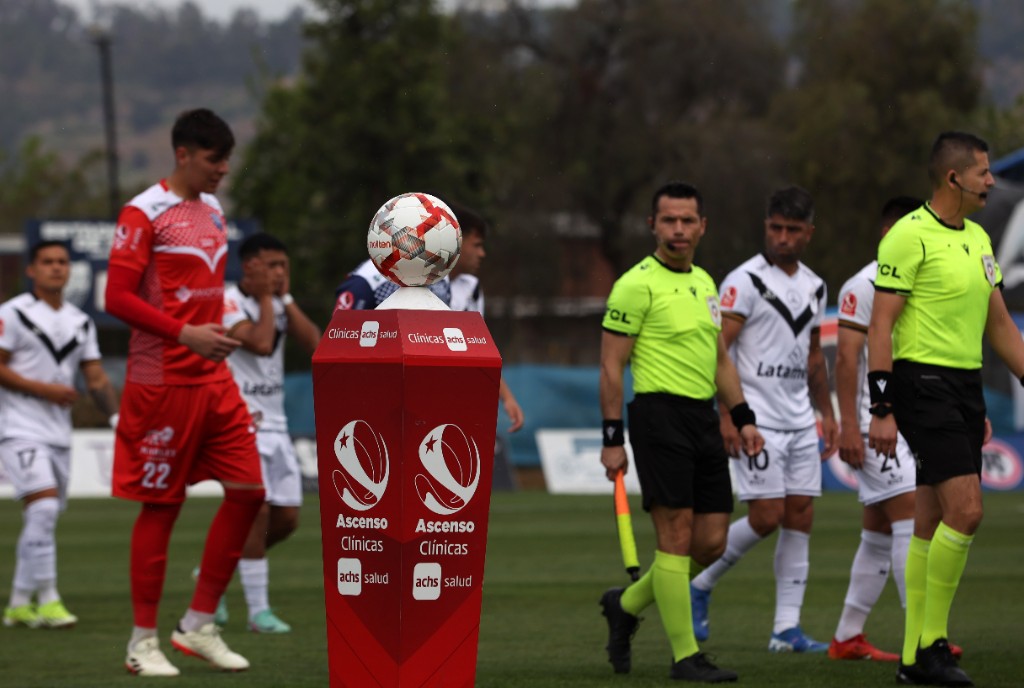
451,464
363,457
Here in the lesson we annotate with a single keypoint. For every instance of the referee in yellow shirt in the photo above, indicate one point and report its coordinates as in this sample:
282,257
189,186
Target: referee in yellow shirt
937,293
663,320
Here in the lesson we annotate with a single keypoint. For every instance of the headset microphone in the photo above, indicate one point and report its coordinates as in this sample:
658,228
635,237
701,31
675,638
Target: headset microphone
952,178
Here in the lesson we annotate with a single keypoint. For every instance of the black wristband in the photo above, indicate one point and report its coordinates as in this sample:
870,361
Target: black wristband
742,414
611,433
881,410
880,387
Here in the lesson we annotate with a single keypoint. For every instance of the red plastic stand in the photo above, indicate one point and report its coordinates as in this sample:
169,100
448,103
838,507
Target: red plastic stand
406,407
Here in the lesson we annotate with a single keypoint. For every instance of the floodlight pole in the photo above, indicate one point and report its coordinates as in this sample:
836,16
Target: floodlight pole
102,40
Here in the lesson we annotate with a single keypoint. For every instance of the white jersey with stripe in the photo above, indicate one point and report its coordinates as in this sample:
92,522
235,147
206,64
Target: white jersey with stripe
260,378
49,346
855,301
467,295
779,311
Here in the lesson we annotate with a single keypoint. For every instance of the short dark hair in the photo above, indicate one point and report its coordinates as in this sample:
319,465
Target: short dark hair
470,221
677,189
898,206
202,128
260,241
792,203
33,252
953,150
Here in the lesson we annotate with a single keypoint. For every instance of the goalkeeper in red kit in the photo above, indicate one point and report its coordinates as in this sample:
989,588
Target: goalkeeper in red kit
182,418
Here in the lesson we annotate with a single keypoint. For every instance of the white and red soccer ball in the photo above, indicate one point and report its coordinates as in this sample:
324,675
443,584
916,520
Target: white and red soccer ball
414,239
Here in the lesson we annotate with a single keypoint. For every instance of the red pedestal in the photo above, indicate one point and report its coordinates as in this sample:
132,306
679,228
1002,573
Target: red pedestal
406,408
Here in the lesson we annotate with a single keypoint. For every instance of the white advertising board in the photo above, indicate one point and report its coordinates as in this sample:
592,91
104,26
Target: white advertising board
571,460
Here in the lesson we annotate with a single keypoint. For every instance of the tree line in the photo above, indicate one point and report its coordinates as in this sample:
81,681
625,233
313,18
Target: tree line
560,121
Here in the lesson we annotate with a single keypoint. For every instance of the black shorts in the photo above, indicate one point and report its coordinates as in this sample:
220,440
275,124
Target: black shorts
679,455
941,413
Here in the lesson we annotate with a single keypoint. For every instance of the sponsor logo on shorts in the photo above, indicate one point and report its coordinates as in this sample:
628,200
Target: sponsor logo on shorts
161,437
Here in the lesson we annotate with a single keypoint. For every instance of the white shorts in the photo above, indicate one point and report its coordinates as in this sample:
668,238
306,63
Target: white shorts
790,464
34,466
883,478
281,475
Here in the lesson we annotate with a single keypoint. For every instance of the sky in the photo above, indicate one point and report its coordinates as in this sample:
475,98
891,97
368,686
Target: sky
216,9
223,10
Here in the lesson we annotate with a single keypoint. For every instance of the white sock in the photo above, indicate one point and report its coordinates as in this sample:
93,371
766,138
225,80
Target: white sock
193,620
19,597
140,633
23,586
901,532
255,577
791,565
868,574
36,569
741,540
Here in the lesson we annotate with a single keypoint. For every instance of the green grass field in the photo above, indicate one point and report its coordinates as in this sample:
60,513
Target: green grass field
549,559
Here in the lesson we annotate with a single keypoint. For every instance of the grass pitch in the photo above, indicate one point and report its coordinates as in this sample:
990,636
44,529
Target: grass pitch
549,559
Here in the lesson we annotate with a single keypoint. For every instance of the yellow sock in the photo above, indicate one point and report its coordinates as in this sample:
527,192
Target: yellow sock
672,594
947,558
638,596
917,585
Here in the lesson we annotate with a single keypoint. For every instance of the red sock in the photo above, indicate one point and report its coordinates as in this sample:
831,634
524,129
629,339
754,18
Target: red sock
224,543
150,536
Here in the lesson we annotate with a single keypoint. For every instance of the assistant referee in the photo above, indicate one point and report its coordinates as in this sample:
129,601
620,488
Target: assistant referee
663,320
937,293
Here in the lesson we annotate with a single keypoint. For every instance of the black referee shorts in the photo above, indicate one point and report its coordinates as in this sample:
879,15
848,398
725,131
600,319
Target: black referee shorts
941,413
679,455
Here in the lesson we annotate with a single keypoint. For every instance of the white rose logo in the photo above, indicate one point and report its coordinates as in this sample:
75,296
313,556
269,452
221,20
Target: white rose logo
451,464
363,457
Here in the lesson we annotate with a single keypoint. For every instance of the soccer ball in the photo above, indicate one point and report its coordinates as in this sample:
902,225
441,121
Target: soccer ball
414,239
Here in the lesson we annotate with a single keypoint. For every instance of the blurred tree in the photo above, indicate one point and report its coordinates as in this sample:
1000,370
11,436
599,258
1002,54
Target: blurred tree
36,183
876,81
371,117
629,95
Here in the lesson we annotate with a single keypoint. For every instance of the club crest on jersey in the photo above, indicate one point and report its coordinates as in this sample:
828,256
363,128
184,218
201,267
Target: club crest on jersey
990,269
729,297
715,311
849,305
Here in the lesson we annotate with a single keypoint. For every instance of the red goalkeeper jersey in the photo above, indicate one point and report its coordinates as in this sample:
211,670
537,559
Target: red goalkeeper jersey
167,269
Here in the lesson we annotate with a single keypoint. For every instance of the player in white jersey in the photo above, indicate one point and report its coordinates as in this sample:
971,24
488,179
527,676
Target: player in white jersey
885,484
43,342
259,312
772,308
467,295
